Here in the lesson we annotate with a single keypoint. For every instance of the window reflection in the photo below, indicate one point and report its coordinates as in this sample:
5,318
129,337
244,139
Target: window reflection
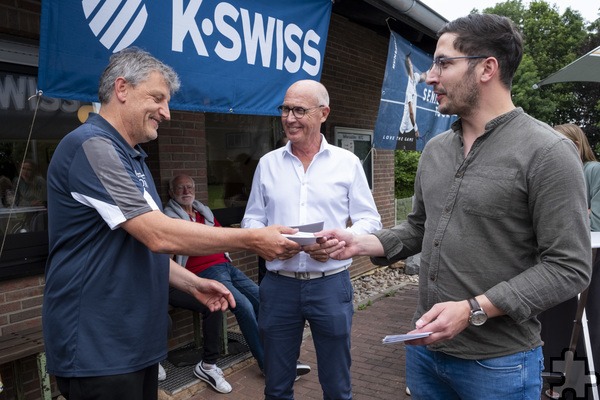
26,148
235,143
17,220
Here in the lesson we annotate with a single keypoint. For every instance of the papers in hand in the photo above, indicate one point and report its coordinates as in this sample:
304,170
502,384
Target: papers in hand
405,337
302,238
305,236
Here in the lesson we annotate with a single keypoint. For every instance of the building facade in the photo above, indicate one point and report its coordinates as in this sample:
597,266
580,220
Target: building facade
219,151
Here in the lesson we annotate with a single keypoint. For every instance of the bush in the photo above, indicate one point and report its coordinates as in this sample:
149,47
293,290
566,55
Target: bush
405,170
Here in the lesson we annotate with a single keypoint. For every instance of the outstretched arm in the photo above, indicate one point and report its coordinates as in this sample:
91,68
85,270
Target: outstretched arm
163,234
341,244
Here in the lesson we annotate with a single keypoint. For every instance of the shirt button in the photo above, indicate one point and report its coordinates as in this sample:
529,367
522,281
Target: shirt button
436,243
432,277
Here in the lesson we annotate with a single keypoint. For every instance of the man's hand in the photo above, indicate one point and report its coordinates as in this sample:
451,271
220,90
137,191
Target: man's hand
270,244
338,244
212,294
316,252
444,320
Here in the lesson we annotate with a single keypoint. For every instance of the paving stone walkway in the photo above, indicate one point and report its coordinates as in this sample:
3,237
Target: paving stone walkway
378,370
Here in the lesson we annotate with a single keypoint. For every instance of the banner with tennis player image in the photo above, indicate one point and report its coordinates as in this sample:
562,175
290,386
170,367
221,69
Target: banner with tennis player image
408,115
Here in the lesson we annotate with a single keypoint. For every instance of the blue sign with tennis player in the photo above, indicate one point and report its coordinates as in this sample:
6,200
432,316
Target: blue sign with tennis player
232,56
408,115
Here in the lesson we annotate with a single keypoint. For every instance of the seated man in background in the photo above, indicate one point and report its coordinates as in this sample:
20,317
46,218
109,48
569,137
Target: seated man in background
207,369
183,205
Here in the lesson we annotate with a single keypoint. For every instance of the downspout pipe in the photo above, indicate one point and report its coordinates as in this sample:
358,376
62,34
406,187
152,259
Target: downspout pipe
414,10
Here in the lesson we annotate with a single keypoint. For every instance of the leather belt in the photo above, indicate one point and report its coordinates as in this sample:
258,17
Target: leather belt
309,275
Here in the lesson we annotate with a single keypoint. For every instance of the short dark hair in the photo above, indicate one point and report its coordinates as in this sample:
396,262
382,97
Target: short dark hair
490,35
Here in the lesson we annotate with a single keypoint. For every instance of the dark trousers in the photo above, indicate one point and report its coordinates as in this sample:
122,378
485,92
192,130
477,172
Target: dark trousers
212,323
285,305
139,385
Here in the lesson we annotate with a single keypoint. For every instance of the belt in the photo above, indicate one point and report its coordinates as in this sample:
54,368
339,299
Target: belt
310,275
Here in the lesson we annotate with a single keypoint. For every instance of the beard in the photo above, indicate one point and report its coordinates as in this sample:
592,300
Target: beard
463,97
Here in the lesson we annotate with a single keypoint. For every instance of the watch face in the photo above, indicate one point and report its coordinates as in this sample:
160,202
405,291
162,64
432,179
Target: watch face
478,318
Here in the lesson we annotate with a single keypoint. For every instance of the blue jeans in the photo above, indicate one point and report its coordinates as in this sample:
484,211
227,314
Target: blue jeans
245,293
435,375
285,305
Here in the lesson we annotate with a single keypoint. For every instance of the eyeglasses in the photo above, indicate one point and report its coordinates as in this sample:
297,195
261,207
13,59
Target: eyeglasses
298,112
441,62
189,188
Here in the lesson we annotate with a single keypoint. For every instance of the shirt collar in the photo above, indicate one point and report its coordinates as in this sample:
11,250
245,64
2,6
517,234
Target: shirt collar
287,149
98,120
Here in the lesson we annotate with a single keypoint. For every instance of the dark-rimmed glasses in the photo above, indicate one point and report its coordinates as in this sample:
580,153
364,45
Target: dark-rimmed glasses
440,62
298,112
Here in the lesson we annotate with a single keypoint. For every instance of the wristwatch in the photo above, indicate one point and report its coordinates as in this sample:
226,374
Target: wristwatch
478,316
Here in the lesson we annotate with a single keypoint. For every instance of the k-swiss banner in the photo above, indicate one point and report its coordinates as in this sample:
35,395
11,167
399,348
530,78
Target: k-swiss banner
232,56
408,115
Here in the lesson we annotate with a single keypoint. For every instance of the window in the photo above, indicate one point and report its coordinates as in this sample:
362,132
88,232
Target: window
235,143
26,147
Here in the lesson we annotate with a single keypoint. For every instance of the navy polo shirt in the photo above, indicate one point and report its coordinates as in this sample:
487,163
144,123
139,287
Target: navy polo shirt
106,294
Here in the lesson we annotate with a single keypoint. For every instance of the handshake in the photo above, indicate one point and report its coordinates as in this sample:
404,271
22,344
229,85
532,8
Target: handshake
338,244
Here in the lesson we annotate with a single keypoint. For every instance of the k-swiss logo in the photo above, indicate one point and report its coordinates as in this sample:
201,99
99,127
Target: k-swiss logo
115,23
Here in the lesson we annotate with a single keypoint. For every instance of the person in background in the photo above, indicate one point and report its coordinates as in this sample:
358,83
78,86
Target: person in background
500,219
212,326
591,170
556,331
29,186
307,181
218,266
108,272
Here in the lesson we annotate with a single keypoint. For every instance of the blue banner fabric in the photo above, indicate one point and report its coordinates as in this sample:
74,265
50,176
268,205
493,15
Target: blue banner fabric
232,56
408,115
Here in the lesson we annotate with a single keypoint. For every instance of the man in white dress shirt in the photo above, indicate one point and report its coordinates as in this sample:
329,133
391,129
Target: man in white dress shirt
304,182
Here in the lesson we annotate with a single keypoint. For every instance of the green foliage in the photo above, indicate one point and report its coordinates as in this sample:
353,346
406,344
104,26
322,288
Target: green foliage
364,306
405,169
552,41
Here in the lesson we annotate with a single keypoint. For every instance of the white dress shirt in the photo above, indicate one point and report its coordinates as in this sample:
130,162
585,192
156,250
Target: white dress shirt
333,189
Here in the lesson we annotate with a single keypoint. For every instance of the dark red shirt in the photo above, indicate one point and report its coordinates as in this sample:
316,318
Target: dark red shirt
197,264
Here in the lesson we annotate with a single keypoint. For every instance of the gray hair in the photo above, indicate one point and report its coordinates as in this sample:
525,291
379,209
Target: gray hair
174,178
135,65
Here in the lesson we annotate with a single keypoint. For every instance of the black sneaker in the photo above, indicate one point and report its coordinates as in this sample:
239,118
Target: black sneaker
301,369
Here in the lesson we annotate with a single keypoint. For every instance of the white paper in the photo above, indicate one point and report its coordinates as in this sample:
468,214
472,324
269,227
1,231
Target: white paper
314,227
405,337
302,238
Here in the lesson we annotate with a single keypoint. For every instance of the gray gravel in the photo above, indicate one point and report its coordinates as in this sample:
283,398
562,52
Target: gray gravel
381,281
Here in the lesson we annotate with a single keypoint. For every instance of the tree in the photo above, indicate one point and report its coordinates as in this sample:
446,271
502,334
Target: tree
552,41
405,170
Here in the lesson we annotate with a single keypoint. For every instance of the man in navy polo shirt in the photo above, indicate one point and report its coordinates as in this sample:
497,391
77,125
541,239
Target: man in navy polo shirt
108,271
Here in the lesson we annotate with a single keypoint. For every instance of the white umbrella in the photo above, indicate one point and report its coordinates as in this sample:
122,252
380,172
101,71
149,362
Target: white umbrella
584,69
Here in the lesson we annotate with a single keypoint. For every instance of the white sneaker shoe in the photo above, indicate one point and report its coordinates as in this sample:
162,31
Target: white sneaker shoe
162,374
214,377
